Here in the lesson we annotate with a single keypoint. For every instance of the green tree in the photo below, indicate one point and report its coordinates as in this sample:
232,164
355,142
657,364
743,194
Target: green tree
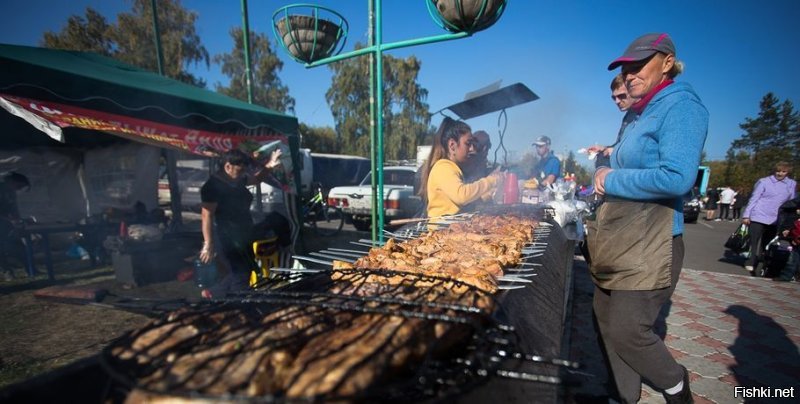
268,90
771,137
319,140
85,34
131,38
766,137
571,166
406,115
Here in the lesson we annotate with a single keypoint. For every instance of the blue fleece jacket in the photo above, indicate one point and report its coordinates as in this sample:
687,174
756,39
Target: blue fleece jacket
659,153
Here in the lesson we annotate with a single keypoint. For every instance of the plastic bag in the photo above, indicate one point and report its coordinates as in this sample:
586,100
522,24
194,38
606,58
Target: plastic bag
739,240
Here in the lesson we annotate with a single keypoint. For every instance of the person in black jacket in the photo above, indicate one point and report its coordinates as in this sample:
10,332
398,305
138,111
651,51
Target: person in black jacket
712,198
739,202
227,225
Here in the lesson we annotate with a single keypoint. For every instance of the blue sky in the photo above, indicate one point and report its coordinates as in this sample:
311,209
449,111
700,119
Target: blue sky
735,52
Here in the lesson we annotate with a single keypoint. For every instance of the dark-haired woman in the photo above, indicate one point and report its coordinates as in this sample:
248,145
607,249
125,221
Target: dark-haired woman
443,187
226,222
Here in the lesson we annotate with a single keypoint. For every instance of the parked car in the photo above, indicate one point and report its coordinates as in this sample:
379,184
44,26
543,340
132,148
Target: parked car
692,205
190,180
399,198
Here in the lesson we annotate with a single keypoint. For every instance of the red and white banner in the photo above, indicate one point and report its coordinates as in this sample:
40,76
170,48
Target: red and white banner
49,117
41,113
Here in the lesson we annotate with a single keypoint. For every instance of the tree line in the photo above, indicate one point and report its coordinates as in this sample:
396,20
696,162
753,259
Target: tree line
770,137
130,39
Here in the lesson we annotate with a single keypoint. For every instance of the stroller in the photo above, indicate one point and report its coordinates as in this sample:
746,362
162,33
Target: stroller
776,253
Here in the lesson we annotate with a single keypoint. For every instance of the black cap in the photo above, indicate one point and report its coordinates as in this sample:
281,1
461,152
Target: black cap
643,47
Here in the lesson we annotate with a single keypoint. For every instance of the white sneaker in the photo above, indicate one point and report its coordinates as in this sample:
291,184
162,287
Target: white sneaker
749,268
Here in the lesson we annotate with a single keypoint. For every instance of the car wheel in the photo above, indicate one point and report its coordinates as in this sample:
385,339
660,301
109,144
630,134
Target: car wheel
361,224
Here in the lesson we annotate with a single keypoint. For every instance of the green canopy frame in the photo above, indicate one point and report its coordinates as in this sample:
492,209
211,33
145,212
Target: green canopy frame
375,49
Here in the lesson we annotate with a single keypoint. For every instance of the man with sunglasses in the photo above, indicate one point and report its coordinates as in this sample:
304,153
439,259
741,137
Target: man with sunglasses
623,100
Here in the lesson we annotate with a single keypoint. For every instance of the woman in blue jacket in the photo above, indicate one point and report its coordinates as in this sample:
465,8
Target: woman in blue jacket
638,231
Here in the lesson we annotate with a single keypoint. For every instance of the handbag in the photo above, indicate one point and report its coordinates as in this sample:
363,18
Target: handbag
739,240
630,244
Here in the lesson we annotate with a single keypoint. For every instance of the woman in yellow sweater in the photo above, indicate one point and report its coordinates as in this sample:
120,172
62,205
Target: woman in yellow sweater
443,187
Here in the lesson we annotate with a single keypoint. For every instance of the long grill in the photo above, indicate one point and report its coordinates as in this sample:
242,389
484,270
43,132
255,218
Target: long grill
349,334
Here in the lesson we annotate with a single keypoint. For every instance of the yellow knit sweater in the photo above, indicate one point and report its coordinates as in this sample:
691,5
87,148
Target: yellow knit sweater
447,192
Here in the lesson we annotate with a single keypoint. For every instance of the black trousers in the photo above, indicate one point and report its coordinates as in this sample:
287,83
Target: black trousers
625,319
760,235
724,210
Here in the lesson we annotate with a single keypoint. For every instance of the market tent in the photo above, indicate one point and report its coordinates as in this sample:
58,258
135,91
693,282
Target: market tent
90,91
59,91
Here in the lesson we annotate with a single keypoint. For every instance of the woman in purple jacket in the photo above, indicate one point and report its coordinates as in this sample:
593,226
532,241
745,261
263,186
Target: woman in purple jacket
761,213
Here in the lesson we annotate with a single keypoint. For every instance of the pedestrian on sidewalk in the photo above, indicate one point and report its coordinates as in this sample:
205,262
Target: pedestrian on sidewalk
739,201
761,213
712,198
637,258
725,201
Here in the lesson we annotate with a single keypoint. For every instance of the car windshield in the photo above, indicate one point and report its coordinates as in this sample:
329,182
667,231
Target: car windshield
393,177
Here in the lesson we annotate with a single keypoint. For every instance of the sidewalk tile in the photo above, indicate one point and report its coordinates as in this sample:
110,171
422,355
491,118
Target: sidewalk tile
726,336
713,390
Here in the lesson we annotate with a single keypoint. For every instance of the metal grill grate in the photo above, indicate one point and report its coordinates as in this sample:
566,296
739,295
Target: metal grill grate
351,334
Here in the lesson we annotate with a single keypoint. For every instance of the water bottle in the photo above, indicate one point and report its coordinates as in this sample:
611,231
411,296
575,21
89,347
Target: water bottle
204,274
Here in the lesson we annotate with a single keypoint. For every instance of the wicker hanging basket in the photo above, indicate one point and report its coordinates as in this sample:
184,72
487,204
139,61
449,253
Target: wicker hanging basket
466,15
309,38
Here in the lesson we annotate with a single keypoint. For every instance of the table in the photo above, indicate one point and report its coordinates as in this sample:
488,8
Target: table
45,230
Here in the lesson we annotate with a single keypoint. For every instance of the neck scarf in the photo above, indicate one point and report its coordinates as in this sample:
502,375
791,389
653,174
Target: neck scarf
639,106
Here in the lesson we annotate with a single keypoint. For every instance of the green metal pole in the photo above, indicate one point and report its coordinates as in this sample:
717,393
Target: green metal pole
157,38
170,156
389,46
246,43
379,114
373,150
249,83
375,49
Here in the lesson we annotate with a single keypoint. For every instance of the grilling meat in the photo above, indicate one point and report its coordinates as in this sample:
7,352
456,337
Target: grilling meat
474,253
397,306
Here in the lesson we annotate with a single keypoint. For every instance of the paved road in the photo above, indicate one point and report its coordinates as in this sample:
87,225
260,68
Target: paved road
705,249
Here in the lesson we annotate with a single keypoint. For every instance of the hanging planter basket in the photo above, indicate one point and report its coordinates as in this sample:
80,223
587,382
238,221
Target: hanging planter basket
308,32
465,15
